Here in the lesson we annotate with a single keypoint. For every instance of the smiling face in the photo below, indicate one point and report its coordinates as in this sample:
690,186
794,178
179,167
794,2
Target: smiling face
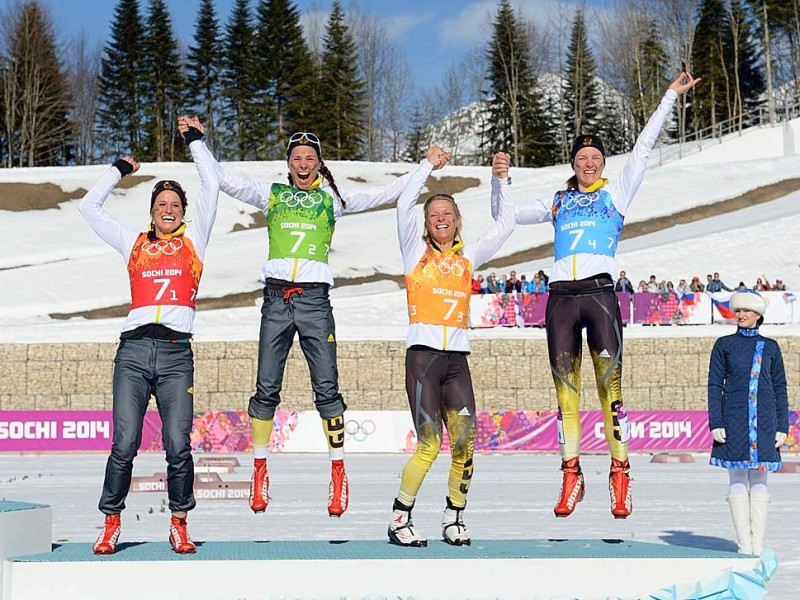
167,213
442,221
746,319
588,166
303,166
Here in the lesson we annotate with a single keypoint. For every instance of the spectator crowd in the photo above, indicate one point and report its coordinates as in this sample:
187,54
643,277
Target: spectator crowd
538,284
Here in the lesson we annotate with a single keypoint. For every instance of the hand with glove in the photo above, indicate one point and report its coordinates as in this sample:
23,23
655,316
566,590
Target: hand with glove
780,438
718,435
126,165
190,129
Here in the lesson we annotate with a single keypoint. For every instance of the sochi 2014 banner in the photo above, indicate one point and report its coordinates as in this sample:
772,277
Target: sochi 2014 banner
517,310
365,431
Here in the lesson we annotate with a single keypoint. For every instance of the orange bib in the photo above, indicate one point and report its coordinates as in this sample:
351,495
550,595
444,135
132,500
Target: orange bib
164,272
439,289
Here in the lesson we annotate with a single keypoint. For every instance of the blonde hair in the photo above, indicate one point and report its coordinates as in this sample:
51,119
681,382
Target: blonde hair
427,236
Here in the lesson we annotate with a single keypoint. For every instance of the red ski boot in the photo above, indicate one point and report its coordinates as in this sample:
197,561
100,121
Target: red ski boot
179,537
107,541
619,487
572,489
338,490
259,486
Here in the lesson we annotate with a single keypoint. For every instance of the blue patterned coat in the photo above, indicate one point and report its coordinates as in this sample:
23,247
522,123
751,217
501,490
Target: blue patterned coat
747,396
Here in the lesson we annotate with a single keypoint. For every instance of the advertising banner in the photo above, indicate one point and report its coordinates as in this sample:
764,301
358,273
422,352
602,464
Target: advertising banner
510,310
668,309
365,431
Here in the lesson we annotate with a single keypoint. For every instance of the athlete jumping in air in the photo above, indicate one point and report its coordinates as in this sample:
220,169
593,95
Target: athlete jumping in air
154,356
438,270
301,216
587,219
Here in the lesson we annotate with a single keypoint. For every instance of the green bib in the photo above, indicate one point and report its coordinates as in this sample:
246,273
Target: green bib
300,223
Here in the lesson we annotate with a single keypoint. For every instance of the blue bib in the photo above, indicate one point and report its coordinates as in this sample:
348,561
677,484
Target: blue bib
585,223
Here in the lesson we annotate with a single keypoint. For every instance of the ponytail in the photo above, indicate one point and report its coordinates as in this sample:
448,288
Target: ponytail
326,173
572,183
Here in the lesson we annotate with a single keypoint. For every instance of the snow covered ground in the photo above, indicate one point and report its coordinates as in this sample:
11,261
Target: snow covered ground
511,497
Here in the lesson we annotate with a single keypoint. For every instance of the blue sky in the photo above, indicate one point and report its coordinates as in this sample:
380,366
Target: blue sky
432,35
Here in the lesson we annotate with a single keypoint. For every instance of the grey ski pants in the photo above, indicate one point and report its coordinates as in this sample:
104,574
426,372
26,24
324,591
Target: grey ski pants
290,308
166,370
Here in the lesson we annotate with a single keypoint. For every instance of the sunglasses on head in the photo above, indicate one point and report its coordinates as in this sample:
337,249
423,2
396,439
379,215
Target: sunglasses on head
302,137
168,184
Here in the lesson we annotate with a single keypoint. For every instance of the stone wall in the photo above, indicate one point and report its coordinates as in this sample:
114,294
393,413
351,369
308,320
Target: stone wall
659,374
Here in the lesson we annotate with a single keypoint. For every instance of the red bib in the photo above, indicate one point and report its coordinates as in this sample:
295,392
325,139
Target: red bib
164,272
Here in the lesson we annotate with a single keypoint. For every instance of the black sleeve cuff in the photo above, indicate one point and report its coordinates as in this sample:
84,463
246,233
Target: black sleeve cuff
192,135
123,166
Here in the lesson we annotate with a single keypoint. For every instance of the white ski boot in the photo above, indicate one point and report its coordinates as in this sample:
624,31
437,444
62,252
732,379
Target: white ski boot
454,532
401,528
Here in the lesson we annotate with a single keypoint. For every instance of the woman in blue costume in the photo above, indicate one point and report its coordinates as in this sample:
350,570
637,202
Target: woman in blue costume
748,414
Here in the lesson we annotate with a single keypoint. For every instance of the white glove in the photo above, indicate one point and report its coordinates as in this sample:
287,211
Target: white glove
718,435
780,437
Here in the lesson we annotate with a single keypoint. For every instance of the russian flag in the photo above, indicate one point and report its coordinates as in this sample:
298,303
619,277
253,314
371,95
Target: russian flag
721,301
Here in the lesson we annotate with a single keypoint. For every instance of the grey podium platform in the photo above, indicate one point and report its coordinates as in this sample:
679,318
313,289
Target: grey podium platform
532,569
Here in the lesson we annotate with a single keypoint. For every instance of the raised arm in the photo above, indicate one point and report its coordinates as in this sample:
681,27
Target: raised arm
361,200
633,172
504,219
408,231
100,220
529,213
254,193
205,211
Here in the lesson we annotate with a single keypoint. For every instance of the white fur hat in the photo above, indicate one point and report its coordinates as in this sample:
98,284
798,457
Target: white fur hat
749,300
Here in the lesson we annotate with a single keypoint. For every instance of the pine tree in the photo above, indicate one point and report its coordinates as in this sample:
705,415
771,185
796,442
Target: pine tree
709,58
37,100
122,83
164,84
653,76
204,65
516,121
342,129
579,85
743,50
238,85
282,73
417,137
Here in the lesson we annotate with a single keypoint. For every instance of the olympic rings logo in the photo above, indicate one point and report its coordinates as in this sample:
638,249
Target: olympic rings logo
579,200
449,265
167,247
359,431
300,198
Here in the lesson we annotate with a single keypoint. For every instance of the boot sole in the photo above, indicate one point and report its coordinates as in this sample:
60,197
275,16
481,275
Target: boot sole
393,539
458,542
